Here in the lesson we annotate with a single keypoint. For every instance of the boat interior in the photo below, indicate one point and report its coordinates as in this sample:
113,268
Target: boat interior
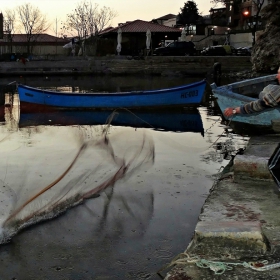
253,87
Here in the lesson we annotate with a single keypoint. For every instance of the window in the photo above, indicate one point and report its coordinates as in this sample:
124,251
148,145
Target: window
191,30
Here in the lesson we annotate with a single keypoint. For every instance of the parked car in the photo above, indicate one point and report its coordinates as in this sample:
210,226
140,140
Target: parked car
176,48
217,50
244,51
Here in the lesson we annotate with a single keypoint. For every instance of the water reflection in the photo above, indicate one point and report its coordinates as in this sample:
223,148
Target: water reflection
135,226
2,114
178,121
45,179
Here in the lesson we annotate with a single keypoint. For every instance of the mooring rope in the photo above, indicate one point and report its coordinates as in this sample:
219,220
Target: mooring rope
219,267
225,130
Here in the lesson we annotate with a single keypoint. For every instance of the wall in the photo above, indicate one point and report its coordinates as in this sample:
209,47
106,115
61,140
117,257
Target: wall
38,50
236,40
165,66
202,41
43,49
241,39
170,22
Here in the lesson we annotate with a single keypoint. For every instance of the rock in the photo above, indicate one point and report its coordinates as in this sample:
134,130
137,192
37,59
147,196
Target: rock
266,51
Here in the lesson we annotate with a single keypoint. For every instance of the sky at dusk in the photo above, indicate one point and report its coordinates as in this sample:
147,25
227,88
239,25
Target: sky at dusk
127,9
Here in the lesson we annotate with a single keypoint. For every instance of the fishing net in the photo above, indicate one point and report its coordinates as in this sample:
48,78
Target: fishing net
47,170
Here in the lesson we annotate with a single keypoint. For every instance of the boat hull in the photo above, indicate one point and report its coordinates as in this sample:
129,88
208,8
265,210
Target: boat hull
187,95
229,96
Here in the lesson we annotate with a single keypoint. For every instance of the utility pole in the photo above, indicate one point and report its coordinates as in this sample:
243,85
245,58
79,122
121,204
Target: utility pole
56,35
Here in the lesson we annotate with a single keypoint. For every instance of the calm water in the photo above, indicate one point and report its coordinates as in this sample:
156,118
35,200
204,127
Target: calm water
137,225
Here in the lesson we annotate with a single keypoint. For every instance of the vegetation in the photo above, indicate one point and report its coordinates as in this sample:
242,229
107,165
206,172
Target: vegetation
33,22
189,14
88,20
9,25
9,22
25,18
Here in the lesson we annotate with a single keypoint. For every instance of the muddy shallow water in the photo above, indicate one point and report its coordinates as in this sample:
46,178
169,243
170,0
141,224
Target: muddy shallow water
136,225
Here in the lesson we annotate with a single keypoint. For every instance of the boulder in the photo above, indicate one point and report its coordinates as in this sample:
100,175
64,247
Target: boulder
266,51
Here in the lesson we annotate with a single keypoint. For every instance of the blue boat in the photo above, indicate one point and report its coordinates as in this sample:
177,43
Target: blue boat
240,93
177,121
186,95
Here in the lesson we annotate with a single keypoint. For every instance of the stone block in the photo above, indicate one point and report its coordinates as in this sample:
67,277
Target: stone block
235,238
276,125
251,166
253,163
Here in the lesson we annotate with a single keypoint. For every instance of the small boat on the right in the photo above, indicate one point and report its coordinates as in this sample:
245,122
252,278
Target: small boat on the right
242,92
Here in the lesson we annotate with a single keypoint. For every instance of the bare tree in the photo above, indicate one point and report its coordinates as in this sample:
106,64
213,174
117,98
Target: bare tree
255,19
88,20
9,26
33,22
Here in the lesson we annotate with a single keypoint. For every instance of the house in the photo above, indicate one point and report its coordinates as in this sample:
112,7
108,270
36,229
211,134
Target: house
44,44
219,16
167,20
233,24
134,37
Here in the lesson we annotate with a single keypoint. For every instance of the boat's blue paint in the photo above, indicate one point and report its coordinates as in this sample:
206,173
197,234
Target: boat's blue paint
227,97
178,121
190,94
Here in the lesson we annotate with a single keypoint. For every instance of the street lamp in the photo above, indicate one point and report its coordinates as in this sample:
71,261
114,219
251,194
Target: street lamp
246,13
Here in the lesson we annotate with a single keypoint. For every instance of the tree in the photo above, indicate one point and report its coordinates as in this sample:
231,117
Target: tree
189,14
255,19
9,25
33,22
88,20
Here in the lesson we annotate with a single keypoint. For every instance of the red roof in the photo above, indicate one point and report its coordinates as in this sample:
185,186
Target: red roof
141,26
46,38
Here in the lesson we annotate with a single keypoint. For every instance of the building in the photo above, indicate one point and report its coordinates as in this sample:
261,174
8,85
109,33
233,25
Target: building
237,24
40,44
134,37
167,20
44,44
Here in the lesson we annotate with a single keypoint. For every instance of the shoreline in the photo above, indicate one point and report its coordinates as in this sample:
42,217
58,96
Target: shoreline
238,223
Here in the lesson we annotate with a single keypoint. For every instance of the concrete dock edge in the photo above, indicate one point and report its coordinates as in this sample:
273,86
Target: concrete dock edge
239,220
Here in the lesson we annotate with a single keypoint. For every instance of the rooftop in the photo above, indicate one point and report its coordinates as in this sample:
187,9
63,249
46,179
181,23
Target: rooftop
141,26
20,38
166,17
